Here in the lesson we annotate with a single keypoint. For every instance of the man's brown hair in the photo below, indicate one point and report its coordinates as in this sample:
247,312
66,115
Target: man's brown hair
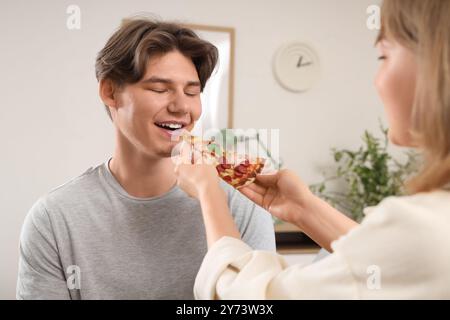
124,58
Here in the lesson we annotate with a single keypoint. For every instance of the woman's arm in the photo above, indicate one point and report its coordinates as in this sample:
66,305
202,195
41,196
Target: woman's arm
285,196
216,214
323,223
200,180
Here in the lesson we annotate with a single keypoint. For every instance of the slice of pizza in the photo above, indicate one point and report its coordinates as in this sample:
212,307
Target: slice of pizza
242,173
236,170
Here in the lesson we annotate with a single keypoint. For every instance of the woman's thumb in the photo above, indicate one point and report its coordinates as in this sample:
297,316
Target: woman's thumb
267,180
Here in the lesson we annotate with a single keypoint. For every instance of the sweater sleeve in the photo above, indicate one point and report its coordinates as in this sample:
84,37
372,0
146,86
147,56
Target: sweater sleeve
231,270
400,251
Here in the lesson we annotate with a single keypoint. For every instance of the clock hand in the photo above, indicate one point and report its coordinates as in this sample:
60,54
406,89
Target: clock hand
300,64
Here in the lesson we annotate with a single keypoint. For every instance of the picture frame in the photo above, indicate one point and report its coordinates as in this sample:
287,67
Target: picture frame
218,94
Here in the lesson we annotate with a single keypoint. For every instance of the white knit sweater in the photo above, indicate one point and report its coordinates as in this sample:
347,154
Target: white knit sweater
400,251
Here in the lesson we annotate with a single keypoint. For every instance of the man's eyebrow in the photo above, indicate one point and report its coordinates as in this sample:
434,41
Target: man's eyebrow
193,84
168,81
157,80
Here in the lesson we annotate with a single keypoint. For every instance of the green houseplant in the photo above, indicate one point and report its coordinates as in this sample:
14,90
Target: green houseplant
365,176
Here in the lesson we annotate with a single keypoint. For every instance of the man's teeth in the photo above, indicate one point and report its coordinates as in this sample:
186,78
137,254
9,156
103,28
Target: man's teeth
171,125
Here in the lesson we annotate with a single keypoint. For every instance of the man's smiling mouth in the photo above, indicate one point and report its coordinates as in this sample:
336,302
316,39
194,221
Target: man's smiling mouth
170,125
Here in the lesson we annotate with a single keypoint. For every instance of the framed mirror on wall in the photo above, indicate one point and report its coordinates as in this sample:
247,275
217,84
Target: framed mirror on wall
217,97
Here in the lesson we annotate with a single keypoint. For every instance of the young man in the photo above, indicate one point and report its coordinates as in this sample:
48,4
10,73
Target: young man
124,230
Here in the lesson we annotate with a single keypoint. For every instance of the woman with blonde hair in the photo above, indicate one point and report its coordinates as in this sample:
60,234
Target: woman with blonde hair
401,250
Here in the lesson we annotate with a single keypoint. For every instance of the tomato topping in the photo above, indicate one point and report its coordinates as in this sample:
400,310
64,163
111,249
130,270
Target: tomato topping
238,174
245,163
241,169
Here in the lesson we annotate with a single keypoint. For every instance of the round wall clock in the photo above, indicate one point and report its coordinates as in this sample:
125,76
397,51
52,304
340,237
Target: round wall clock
296,67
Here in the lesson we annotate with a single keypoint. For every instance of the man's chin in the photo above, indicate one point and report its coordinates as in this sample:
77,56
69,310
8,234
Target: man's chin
164,149
166,152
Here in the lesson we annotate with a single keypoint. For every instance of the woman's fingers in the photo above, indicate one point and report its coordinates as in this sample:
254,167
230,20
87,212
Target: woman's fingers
189,154
263,199
267,180
253,195
260,195
255,186
268,198
183,152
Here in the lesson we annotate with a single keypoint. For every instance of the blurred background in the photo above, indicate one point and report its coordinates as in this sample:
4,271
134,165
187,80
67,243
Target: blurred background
53,125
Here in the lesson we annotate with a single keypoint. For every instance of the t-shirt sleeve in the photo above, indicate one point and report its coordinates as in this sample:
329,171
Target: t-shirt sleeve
254,223
41,275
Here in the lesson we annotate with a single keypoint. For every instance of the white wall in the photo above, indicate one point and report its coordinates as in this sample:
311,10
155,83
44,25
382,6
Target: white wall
53,126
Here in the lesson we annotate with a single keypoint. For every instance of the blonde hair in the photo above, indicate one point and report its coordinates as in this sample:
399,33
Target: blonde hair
424,27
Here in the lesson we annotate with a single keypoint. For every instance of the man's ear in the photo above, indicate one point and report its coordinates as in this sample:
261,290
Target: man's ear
107,91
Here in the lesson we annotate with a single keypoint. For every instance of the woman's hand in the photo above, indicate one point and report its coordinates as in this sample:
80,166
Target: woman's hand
195,175
199,179
283,194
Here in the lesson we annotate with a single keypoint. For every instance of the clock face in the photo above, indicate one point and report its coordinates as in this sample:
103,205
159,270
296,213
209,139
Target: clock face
296,67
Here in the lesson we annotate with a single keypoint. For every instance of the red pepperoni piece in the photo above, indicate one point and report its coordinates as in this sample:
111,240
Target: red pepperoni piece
227,178
238,174
245,163
241,169
219,168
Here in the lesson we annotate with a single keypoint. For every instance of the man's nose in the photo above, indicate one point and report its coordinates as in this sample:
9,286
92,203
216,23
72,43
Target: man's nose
179,103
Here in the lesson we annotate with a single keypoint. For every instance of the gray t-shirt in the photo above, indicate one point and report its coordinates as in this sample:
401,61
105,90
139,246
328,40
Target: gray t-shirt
89,239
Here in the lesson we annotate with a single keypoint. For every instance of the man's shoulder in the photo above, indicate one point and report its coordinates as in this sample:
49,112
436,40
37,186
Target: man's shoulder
70,192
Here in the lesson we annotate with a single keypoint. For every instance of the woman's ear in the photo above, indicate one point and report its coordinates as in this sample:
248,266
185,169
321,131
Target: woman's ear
107,92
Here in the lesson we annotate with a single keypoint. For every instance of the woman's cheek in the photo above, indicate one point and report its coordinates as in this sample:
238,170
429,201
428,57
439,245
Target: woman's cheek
379,83
396,90
383,84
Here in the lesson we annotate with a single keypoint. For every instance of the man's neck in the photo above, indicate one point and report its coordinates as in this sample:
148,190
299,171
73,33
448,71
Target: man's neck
141,176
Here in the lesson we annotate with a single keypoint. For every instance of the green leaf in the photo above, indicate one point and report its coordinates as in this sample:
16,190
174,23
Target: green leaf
368,174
